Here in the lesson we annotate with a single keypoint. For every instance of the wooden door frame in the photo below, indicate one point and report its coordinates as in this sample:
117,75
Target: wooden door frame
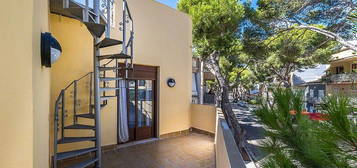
157,104
136,75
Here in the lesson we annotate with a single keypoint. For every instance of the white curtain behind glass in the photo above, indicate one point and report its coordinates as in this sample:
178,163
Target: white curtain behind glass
123,113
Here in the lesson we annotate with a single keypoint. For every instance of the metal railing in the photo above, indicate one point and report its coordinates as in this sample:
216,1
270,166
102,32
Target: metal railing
106,8
71,91
127,23
345,77
127,43
73,100
69,101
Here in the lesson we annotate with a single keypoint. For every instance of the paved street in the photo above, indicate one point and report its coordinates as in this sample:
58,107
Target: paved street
254,132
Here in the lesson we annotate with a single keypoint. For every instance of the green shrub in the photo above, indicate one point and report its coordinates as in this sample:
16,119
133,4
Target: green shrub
293,140
253,101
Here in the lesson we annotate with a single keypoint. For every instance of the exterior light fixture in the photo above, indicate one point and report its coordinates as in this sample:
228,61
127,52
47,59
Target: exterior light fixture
50,49
171,82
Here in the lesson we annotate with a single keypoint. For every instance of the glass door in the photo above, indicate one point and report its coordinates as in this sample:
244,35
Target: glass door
141,109
145,109
132,109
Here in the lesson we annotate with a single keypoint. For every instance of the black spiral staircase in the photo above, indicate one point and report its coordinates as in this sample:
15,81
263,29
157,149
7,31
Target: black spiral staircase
82,100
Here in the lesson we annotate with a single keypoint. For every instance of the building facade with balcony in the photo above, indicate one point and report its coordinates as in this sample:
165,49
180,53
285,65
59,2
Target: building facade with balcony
342,75
339,77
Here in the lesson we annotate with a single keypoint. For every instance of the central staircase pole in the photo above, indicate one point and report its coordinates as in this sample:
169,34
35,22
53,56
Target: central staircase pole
97,102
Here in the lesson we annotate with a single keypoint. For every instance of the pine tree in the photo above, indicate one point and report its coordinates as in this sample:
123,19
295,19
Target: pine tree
293,140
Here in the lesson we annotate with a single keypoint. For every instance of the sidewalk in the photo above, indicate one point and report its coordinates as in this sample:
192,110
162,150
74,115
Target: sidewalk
254,132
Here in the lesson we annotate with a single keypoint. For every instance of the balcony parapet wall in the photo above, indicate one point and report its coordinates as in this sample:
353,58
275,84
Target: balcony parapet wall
340,78
227,152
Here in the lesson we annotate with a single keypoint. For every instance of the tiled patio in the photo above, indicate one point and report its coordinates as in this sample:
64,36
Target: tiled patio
191,151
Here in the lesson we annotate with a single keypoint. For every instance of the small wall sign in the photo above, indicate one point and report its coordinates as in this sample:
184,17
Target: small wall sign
171,82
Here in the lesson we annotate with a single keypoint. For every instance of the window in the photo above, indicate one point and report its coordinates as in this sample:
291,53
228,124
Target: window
339,70
311,93
142,82
321,94
354,68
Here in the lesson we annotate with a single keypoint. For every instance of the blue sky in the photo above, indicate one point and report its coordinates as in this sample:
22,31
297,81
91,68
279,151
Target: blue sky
172,3
312,74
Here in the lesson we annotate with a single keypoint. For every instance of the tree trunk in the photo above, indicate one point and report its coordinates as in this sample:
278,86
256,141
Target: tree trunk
261,89
268,100
225,104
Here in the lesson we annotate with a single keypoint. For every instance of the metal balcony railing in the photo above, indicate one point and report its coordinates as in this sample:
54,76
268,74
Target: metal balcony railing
346,77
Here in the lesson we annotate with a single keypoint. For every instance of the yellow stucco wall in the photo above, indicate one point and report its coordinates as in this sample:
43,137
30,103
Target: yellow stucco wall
347,65
162,38
203,117
24,85
41,88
